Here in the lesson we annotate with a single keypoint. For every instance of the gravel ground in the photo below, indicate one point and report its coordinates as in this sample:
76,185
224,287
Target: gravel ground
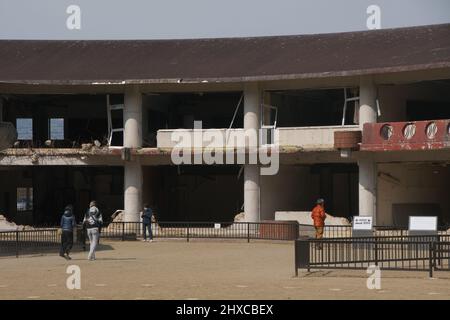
202,270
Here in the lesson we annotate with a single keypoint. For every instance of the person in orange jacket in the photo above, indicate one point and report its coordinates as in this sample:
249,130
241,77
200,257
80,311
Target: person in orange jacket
318,215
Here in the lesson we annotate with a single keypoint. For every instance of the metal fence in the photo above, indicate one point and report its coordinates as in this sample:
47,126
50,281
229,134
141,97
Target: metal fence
418,253
204,230
28,241
340,231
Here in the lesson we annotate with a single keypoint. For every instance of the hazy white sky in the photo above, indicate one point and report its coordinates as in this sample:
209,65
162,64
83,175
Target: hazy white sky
168,19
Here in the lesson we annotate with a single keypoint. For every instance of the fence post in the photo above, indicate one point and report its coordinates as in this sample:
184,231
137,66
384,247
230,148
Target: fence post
295,257
376,251
83,236
187,232
123,230
248,232
430,262
17,243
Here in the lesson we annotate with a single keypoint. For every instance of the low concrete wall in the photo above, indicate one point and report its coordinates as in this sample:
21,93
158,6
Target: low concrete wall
164,137
308,138
311,138
304,217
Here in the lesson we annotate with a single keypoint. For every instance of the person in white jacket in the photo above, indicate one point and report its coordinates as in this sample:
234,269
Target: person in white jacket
93,222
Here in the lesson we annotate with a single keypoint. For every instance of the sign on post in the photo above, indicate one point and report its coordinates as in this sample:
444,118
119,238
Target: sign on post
362,226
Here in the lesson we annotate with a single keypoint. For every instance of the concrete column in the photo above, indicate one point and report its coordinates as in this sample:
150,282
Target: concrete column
367,101
132,118
133,191
367,188
367,167
252,113
132,138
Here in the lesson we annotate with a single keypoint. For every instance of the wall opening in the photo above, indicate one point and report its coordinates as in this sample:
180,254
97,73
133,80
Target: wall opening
308,108
66,120
408,189
194,193
297,187
180,110
38,195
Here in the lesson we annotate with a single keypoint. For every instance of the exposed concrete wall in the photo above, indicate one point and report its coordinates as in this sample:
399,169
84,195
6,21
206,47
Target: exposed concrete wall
296,188
412,183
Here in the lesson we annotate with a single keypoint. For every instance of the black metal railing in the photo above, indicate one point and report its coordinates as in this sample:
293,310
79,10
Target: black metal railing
419,253
204,230
28,241
345,231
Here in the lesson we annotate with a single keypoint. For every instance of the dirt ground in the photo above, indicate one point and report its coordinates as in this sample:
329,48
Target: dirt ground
202,270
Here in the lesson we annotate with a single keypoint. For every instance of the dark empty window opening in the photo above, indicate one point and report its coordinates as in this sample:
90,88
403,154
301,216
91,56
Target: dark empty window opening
62,121
417,110
304,108
180,110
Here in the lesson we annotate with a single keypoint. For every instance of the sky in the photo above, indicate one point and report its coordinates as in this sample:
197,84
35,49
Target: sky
178,19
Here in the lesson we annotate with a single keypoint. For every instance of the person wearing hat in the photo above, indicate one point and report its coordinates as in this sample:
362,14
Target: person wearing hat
93,222
67,225
318,215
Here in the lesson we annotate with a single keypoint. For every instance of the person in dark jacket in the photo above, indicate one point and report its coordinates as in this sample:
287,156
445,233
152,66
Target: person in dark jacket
147,222
67,225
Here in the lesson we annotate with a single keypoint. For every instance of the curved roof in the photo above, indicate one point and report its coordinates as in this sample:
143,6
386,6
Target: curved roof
226,59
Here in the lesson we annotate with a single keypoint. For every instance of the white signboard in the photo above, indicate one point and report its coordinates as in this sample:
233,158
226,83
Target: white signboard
362,223
56,129
24,127
423,223
217,225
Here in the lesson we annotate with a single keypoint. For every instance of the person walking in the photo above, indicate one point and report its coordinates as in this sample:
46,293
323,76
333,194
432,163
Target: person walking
93,222
146,216
67,225
318,215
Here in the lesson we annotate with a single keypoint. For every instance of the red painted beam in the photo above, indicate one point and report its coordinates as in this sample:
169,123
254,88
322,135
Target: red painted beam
414,135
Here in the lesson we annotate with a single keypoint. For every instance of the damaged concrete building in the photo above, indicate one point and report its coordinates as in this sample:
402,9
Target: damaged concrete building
362,120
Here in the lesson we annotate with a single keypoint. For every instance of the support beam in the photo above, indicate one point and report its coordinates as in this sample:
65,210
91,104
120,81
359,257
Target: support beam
367,166
132,138
252,114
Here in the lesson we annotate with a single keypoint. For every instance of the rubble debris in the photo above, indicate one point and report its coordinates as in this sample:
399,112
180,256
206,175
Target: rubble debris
86,146
240,217
5,225
97,144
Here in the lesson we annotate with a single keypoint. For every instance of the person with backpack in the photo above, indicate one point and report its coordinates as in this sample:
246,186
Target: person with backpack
67,225
93,222
146,216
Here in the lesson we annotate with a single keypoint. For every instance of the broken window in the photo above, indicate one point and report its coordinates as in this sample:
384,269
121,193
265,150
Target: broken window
268,124
24,199
56,128
24,127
